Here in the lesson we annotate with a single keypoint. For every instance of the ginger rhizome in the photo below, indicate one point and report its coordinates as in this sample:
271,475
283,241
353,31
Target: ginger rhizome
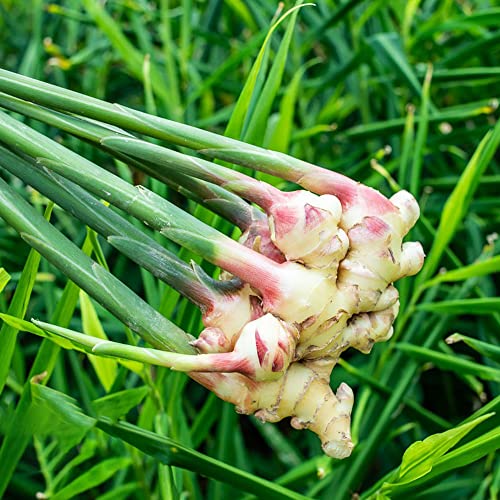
311,275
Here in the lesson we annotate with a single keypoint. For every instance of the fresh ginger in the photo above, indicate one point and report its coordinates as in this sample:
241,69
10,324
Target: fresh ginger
348,301
315,273
300,393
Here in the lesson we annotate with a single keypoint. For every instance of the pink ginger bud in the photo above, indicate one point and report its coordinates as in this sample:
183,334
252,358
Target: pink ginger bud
263,351
225,319
268,346
304,227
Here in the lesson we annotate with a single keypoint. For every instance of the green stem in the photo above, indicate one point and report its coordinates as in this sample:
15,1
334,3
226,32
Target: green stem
134,243
171,221
227,361
217,199
86,273
309,176
159,162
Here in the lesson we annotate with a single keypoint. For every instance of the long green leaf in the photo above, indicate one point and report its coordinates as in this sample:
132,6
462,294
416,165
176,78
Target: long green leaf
460,457
486,349
18,307
257,125
421,456
4,279
486,305
448,362
163,449
118,404
56,414
130,55
235,125
106,369
92,477
459,201
20,429
170,452
479,268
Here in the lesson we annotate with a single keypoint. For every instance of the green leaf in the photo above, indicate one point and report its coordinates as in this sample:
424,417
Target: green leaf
395,125
65,412
466,74
238,117
468,453
243,12
410,404
92,477
107,348
20,429
485,305
130,55
484,17
389,48
486,349
170,452
106,369
26,326
279,139
332,19
4,279
480,268
449,362
120,492
422,132
420,457
67,339
57,414
257,123
460,457
18,307
459,201
86,451
118,404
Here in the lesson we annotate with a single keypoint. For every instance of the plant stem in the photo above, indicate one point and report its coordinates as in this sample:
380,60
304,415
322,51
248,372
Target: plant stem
134,243
88,275
311,177
252,267
159,162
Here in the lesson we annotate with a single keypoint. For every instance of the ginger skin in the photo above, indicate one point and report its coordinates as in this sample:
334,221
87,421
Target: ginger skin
347,300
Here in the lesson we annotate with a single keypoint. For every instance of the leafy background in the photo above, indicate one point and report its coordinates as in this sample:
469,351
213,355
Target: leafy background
394,94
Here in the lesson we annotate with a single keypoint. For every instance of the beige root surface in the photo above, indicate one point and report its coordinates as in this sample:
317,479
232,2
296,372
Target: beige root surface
334,302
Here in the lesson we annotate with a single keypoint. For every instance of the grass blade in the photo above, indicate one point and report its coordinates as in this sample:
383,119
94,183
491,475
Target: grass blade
459,201
489,350
170,452
4,279
480,268
449,362
18,307
486,305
